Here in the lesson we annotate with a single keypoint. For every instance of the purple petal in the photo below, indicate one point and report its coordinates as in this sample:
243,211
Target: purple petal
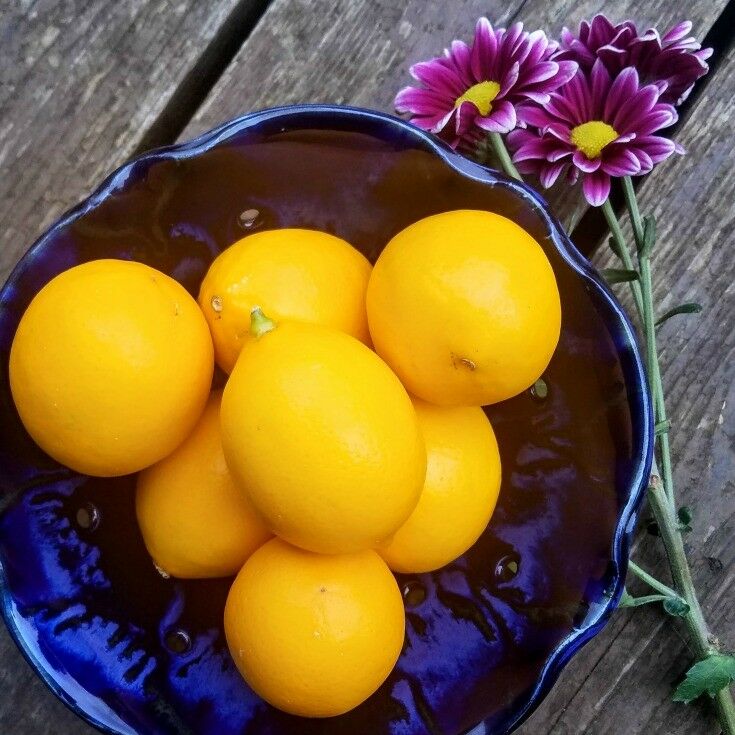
466,114
657,147
559,131
562,108
587,165
540,98
613,58
536,116
509,79
520,137
442,122
578,93
622,90
560,151
679,31
618,161
601,29
421,101
645,161
535,148
635,109
437,76
460,55
599,88
513,36
502,118
541,72
567,69
661,116
596,188
484,51
549,174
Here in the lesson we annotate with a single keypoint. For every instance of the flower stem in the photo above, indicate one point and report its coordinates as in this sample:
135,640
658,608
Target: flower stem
635,213
617,234
651,581
645,600
654,367
502,153
661,493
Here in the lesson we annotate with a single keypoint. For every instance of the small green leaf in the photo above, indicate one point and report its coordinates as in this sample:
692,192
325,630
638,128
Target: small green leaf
676,606
612,242
619,275
709,676
690,307
649,236
685,515
662,427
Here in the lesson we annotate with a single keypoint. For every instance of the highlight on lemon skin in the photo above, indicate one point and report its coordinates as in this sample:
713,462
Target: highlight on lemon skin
314,635
195,522
291,273
461,489
323,437
465,308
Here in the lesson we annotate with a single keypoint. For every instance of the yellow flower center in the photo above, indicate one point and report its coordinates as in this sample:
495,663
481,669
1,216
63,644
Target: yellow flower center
591,137
481,95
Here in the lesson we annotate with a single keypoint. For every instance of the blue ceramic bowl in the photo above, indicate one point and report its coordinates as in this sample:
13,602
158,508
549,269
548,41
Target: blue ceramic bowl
133,652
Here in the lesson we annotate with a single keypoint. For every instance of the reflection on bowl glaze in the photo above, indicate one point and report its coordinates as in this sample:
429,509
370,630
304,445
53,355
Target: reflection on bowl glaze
136,652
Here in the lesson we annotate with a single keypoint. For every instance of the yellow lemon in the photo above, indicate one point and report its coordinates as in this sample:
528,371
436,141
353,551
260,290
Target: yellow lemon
465,308
194,521
314,635
323,437
111,367
292,274
460,491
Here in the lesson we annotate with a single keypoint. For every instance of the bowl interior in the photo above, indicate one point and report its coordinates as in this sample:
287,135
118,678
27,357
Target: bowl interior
136,652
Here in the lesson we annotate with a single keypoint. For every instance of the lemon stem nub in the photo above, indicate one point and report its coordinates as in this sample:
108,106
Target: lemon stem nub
260,324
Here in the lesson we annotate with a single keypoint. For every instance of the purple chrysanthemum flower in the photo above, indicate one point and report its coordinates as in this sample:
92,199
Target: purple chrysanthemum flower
598,126
480,88
673,62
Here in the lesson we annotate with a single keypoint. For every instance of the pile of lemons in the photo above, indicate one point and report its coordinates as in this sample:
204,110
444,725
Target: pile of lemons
348,440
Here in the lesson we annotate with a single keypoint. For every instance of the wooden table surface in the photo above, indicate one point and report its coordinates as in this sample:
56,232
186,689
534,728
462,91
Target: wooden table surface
85,85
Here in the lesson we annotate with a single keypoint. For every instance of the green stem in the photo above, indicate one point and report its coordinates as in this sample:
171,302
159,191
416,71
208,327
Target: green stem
651,581
644,600
661,493
617,234
654,368
502,153
635,213
260,324
668,526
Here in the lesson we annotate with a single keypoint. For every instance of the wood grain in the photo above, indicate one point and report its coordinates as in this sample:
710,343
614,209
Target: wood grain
358,51
626,674
81,84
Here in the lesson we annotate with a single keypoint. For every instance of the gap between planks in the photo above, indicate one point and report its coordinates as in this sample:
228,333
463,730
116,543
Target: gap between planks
197,83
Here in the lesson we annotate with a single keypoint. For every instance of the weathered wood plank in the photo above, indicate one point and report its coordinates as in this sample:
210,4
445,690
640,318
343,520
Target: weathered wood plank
626,674
80,85
358,51
353,52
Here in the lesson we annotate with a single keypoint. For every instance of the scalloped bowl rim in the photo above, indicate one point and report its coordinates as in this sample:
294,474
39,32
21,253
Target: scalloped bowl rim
627,517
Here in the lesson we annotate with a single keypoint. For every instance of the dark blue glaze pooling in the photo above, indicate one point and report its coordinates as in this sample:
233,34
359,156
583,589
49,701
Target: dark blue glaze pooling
487,636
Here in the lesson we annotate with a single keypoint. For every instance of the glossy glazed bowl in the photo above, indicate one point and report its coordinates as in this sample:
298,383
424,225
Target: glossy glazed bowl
134,652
